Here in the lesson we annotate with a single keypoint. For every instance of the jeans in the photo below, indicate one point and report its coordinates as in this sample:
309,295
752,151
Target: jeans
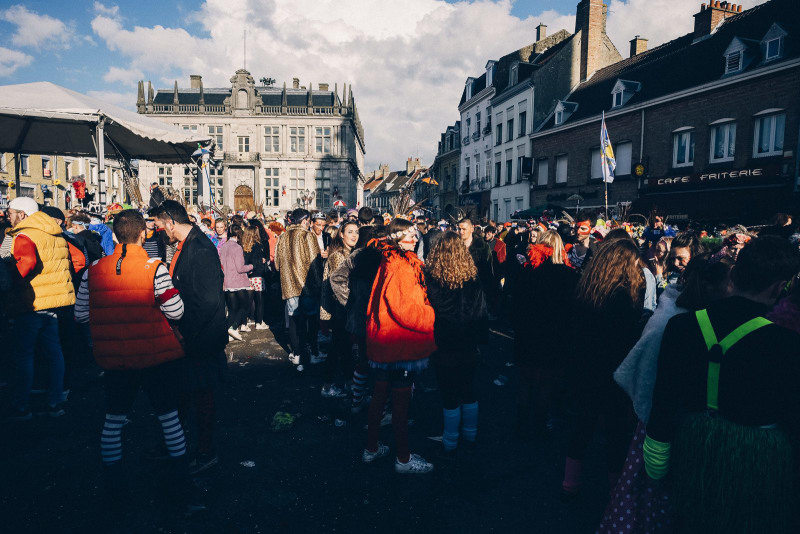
32,330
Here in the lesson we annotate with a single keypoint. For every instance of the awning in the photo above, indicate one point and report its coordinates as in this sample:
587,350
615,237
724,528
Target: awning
44,118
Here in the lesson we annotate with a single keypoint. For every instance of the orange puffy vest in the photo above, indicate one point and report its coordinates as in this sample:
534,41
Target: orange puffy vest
128,329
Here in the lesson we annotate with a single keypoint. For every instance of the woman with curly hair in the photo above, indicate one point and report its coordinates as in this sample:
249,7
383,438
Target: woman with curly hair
543,302
399,341
606,325
461,324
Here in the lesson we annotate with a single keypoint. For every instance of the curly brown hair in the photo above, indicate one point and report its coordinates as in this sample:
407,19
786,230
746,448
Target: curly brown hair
249,238
450,263
614,267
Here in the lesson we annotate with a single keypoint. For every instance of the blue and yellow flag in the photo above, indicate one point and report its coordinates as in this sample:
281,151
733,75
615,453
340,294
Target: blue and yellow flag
609,164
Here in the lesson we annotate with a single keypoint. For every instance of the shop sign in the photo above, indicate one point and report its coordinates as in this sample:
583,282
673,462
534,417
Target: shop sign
722,177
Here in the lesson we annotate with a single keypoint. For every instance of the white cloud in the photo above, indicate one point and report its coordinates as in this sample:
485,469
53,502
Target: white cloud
38,31
107,11
11,60
407,60
125,76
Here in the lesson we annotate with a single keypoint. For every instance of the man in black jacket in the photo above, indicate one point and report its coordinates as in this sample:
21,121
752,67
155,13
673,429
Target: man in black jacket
197,275
481,255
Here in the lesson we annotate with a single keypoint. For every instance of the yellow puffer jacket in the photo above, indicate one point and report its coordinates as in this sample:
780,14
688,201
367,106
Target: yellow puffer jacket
51,280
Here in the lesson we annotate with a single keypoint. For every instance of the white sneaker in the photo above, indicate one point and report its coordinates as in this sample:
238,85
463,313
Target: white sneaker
262,326
334,392
244,328
294,359
416,465
368,456
300,368
316,358
234,334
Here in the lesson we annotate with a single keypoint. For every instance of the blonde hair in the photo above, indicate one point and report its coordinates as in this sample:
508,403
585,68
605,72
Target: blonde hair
450,263
249,238
552,240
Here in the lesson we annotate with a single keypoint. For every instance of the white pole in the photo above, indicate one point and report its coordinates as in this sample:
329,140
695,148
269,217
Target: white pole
101,157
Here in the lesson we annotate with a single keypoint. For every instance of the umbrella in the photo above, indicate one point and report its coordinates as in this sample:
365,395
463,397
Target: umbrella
340,204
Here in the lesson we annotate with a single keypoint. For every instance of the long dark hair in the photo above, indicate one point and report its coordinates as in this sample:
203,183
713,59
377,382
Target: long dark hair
615,266
338,240
704,281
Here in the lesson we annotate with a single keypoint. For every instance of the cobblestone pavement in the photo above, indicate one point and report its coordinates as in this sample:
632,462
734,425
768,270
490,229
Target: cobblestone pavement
308,478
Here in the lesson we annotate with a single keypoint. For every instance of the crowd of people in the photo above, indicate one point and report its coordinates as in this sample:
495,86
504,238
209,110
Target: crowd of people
679,344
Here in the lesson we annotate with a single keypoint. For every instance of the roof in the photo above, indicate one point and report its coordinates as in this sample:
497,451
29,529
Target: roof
682,63
270,96
530,57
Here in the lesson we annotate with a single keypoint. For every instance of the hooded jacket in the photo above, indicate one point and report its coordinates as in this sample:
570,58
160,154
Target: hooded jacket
49,284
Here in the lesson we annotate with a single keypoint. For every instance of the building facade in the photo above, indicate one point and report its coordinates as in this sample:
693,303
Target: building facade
515,95
48,180
386,186
717,142
275,149
445,170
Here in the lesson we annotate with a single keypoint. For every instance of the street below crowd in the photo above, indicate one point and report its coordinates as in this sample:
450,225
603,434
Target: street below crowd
308,477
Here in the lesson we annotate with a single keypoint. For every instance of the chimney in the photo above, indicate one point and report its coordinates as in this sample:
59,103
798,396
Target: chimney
323,87
541,32
139,98
175,94
590,20
295,83
638,45
195,81
711,14
412,164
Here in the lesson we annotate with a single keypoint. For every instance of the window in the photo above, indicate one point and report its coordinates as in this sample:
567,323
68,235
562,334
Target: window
488,166
215,132
164,176
297,184
46,172
272,139
723,142
244,144
541,172
323,190
241,99
616,99
477,166
768,138
297,140
622,154
469,121
3,162
23,164
597,165
478,122
509,170
496,211
323,140
523,123
498,171
499,140
683,149
733,62
466,170
518,202
272,186
215,177
519,167
559,116
510,130
190,128
773,50
189,186
561,169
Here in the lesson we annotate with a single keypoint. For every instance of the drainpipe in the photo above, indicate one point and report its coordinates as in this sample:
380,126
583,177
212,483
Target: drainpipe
641,149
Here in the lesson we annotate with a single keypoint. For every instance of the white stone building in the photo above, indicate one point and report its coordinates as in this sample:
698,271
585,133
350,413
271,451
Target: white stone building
272,144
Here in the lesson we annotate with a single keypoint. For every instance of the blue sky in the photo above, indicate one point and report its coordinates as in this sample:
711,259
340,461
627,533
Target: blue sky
405,61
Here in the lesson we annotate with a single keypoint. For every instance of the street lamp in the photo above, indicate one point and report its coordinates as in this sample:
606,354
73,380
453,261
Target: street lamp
307,197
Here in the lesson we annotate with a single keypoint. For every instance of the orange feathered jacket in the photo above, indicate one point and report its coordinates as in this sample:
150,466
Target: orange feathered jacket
399,316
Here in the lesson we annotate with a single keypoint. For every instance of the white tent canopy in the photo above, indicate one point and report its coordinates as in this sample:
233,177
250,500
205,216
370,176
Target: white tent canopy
44,118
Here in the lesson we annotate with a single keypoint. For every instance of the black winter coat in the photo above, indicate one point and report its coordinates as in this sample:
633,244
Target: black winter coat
198,278
462,320
543,304
257,257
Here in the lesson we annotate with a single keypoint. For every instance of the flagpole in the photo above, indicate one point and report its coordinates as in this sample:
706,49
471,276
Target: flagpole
605,183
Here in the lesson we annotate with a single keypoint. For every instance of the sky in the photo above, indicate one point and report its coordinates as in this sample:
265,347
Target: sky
407,61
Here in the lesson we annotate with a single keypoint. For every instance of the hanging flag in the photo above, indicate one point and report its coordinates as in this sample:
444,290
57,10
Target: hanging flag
203,158
609,164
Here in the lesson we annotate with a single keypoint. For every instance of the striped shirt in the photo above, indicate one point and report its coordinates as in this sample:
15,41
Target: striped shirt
151,246
172,307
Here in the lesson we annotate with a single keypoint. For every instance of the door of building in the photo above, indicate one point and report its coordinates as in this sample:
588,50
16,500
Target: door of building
243,199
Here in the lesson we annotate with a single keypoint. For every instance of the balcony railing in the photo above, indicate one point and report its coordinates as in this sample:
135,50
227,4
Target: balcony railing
465,141
242,157
271,110
476,136
487,129
298,110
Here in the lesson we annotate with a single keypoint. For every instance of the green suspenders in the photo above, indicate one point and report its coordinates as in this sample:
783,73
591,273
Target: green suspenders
712,382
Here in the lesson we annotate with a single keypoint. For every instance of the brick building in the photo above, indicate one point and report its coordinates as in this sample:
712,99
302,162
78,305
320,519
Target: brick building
710,120
445,170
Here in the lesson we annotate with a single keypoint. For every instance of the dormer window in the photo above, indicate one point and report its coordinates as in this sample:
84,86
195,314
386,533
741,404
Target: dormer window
773,42
490,72
563,111
513,76
733,62
468,88
623,91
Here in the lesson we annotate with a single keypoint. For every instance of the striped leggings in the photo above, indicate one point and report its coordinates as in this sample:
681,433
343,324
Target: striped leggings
122,388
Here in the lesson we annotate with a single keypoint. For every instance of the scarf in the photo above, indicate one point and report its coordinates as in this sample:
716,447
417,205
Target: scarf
539,253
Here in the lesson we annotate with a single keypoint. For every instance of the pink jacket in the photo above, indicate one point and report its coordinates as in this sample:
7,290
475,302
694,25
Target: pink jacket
235,270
